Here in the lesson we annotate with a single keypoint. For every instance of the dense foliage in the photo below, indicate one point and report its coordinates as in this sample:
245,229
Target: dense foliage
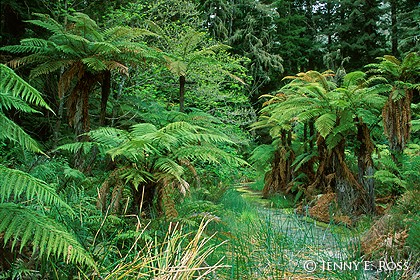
127,126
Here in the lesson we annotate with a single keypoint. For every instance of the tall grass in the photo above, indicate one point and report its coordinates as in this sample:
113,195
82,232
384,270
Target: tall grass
179,256
272,244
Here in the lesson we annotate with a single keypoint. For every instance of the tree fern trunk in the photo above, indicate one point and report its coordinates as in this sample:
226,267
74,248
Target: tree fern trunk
365,166
350,194
278,179
396,116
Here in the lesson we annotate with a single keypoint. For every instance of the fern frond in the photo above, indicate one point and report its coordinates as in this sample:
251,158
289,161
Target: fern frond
180,126
17,185
168,166
22,225
303,158
109,136
142,129
49,67
353,79
207,153
7,101
136,176
204,138
11,131
10,82
85,147
94,64
262,155
47,23
123,33
325,123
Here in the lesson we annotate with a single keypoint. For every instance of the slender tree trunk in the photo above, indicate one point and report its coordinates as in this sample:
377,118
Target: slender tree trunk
78,112
116,96
57,126
181,93
106,89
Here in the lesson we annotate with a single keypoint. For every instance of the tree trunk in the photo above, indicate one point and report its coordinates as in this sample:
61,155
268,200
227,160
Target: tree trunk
181,93
323,179
394,29
278,179
351,196
78,112
366,168
396,117
106,89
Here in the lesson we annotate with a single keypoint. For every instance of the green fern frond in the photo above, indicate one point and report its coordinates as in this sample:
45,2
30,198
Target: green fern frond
109,136
415,126
11,131
17,185
142,129
180,126
84,147
47,23
262,155
136,176
168,166
10,82
325,123
7,101
123,33
49,67
94,64
388,177
208,154
204,138
22,225
303,158
354,79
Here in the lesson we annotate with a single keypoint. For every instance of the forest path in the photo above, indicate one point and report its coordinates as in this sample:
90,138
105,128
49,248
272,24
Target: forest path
309,246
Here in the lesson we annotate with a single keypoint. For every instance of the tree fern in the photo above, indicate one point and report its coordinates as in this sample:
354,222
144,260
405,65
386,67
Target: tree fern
21,226
157,156
85,53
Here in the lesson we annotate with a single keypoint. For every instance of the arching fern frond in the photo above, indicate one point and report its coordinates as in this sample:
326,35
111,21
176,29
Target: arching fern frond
8,101
18,186
22,226
12,132
48,23
10,82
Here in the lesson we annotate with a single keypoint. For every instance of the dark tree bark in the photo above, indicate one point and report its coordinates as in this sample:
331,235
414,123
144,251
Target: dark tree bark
106,90
365,165
181,93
